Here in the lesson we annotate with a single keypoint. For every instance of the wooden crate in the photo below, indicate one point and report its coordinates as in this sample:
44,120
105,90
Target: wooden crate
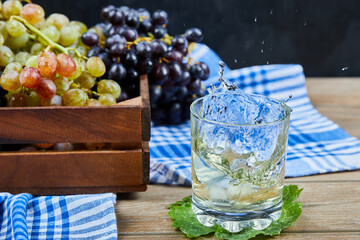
126,126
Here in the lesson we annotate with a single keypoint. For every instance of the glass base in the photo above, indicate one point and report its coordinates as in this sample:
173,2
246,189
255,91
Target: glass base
235,222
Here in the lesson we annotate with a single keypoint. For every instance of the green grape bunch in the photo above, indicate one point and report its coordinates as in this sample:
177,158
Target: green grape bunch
43,61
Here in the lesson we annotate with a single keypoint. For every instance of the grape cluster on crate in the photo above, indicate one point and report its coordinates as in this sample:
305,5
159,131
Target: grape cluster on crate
57,62
132,43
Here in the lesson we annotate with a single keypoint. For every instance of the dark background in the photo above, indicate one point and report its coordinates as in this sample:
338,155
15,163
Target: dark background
322,35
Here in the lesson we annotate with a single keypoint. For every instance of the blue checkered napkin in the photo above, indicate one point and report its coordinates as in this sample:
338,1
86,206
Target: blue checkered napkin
316,144
60,217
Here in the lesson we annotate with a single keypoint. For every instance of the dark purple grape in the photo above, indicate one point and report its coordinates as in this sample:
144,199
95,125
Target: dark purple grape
132,75
155,93
105,12
90,38
169,88
145,65
158,48
117,72
130,59
129,33
105,58
116,17
94,51
196,71
175,55
111,30
117,49
181,94
159,32
175,71
159,73
124,9
174,113
194,86
194,35
205,71
184,52
132,20
143,13
186,78
123,96
114,39
143,49
160,17
158,115
145,26
179,43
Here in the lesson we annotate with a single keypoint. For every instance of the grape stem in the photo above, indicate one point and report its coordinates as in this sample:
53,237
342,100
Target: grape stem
45,38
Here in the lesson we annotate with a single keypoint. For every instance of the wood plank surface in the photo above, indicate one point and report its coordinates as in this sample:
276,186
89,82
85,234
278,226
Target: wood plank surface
73,170
331,201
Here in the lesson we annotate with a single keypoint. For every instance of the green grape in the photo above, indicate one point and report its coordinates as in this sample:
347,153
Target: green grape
10,8
109,86
14,66
6,56
107,99
54,101
15,28
79,69
51,32
81,48
31,62
37,48
62,85
32,99
2,40
3,30
68,35
75,97
17,42
93,102
80,26
17,100
10,80
58,20
96,66
22,57
86,80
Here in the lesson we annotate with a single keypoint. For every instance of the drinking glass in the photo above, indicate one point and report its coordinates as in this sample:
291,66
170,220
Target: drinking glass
238,151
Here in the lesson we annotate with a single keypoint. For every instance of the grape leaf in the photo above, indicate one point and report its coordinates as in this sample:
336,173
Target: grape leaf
186,221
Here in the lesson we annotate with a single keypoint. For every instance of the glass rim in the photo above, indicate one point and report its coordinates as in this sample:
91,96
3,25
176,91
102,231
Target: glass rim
282,103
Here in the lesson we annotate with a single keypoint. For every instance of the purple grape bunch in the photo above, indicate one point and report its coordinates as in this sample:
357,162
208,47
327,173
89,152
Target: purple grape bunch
138,43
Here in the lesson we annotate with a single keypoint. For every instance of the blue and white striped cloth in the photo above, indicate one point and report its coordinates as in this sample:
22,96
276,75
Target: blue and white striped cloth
316,144
57,217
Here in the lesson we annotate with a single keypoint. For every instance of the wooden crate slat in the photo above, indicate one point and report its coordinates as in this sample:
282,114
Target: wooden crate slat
71,169
71,124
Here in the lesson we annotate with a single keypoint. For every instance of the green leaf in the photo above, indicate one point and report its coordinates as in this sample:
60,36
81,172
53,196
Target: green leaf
186,221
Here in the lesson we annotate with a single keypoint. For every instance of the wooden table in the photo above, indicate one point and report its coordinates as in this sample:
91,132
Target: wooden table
331,201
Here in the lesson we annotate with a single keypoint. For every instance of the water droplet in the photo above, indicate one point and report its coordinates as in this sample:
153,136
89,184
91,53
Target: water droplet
263,41
267,62
235,60
184,24
271,11
262,51
344,68
305,23
255,19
